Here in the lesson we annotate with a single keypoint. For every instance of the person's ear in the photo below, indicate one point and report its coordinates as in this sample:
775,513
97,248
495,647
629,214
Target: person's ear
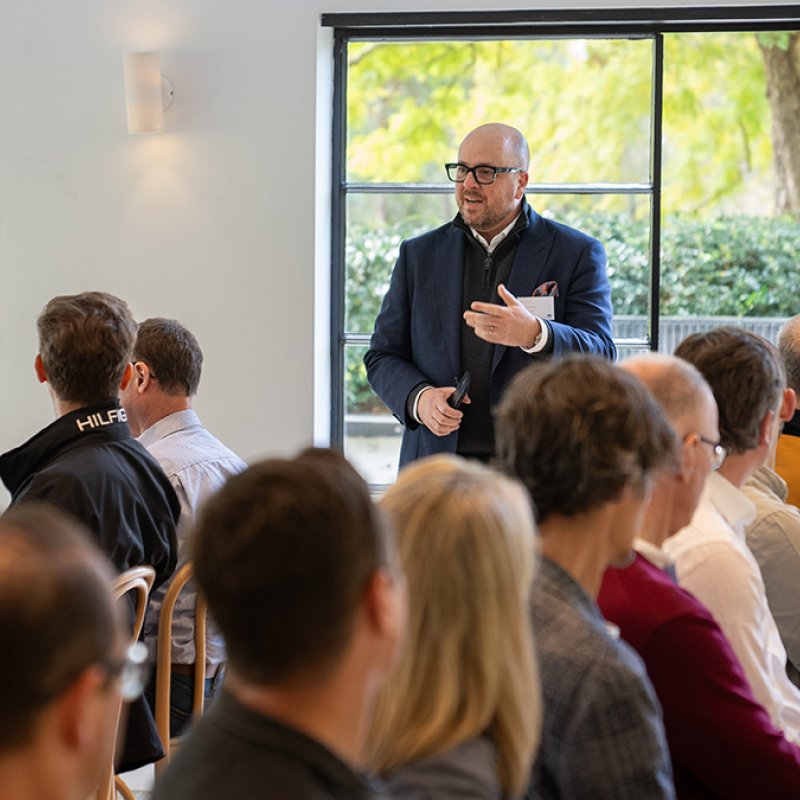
126,377
687,457
39,368
522,182
789,405
82,708
387,605
765,429
142,376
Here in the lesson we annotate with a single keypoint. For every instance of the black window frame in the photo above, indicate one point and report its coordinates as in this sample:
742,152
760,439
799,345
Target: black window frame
573,23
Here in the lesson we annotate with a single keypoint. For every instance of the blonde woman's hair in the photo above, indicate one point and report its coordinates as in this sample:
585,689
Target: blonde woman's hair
466,541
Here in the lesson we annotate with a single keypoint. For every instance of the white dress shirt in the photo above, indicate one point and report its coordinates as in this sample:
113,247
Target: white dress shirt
714,563
197,465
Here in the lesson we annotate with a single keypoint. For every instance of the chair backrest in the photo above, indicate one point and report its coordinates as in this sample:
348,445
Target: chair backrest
164,659
139,580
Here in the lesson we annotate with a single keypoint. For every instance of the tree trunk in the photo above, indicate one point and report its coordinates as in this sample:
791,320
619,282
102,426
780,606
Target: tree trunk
783,91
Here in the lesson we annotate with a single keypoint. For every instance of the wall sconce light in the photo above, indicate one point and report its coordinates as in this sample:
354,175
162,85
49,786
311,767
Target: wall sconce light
147,92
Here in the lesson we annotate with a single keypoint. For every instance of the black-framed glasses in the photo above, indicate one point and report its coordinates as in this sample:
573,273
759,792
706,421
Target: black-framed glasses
483,173
716,448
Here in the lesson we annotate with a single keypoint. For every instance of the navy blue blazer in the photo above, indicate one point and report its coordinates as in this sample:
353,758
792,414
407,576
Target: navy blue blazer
417,336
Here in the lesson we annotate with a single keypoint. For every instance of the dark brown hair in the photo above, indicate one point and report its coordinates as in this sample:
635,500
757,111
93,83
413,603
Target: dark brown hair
172,353
85,343
283,553
577,431
746,376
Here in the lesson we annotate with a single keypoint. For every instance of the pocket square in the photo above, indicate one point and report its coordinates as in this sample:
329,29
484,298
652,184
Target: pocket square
547,289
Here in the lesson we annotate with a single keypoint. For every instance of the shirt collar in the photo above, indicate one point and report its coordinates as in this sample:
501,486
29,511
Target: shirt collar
732,504
498,238
172,423
768,480
655,555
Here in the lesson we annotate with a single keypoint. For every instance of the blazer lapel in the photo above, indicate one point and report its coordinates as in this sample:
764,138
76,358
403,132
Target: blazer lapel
533,250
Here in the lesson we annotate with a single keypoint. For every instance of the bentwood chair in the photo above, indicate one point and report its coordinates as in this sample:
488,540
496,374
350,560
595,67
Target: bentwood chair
164,660
138,580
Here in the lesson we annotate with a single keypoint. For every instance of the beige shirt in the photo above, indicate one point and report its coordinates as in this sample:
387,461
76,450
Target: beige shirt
774,539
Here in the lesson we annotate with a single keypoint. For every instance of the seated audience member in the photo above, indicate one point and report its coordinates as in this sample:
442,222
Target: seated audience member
312,608
88,464
712,559
459,716
63,651
167,361
787,461
721,741
584,437
773,537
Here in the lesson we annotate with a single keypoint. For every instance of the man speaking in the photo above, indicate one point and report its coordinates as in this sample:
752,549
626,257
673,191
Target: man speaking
488,293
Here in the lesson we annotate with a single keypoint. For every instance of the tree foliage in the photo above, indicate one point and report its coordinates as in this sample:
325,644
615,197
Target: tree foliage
728,266
583,103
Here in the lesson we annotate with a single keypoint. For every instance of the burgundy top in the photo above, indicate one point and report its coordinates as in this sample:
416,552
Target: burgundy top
722,742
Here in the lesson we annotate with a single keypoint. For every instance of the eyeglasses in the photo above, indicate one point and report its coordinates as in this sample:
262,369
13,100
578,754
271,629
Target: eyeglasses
719,451
483,173
133,671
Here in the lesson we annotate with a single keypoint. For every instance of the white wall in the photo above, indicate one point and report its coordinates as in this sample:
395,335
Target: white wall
220,222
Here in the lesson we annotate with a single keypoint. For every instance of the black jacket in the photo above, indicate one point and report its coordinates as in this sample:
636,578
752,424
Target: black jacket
88,465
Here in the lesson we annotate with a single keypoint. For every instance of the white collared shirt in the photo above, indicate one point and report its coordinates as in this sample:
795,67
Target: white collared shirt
197,465
497,239
714,563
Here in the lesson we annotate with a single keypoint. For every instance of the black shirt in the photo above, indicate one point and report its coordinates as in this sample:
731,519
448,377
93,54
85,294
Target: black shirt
792,427
235,752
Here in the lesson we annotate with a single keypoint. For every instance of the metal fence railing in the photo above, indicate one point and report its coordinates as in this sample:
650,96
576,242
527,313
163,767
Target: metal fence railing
673,330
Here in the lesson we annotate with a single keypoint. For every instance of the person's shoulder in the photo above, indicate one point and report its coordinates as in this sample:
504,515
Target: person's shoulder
467,771
642,597
560,229
431,237
193,448
573,643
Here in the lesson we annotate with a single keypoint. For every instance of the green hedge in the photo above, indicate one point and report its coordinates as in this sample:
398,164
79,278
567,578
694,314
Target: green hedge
729,266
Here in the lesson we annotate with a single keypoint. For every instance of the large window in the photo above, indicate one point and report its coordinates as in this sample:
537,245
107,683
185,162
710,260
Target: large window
663,140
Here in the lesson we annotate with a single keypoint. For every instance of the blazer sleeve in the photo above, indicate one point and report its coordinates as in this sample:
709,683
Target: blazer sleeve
586,326
389,360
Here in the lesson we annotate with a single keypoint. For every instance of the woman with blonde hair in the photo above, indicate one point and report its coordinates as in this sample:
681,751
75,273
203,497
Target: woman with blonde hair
460,715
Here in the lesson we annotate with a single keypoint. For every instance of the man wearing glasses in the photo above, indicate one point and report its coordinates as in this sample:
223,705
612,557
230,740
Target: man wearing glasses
711,556
715,728
488,293
64,669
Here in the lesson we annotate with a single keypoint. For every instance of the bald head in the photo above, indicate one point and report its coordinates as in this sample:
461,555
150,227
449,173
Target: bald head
677,386
789,348
499,137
